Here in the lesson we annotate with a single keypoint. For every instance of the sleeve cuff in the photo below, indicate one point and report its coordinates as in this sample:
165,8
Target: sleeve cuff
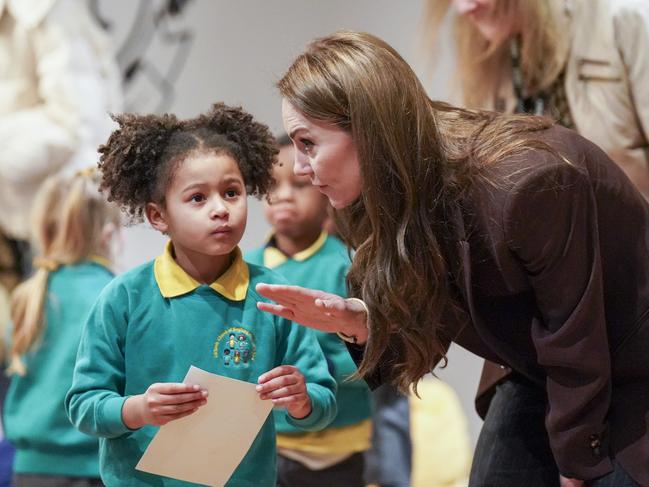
590,472
318,418
111,417
585,456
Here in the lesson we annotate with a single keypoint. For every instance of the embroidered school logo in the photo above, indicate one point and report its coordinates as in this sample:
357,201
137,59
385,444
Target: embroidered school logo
235,347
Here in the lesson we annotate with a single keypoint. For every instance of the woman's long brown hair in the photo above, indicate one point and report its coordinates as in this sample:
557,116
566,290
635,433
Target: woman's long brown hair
417,159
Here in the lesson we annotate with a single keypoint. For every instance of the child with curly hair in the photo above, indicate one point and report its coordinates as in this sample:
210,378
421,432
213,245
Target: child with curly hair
195,304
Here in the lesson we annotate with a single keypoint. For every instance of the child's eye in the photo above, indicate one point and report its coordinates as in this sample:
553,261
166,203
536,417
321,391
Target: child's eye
197,198
231,193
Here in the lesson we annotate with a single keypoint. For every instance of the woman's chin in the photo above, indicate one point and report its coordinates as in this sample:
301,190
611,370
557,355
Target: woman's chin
340,202
337,204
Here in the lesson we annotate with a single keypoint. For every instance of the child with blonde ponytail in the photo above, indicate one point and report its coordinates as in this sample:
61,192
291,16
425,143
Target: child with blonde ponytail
73,227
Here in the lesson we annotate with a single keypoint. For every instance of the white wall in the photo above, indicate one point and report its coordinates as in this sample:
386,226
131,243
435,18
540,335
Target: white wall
241,49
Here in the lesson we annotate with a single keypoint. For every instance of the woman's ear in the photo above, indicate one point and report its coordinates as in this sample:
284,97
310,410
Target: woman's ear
157,217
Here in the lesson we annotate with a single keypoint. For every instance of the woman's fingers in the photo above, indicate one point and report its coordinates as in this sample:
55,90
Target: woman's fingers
291,294
276,309
334,306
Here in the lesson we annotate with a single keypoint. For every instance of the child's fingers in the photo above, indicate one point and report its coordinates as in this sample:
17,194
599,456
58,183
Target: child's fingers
164,419
179,408
283,392
287,401
282,370
174,388
182,397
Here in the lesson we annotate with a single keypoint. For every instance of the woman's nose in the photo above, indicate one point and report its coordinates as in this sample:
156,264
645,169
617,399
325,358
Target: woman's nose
465,6
302,166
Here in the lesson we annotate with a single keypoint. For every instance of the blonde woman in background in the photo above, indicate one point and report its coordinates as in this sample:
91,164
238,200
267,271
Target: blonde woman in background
74,228
584,63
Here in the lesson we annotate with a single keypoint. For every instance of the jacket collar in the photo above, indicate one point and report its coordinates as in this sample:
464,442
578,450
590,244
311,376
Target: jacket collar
273,257
173,281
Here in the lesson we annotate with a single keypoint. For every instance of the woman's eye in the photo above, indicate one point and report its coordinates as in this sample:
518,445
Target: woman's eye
307,144
197,198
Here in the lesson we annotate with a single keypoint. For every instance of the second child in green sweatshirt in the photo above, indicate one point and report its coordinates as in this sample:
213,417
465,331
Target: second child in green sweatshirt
305,255
193,305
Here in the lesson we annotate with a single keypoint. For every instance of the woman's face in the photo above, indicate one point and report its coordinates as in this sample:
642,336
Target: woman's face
326,154
482,14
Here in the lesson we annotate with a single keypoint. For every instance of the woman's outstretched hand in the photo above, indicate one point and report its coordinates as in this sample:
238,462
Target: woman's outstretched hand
316,309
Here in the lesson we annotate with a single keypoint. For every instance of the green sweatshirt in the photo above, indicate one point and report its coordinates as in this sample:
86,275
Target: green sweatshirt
322,266
34,416
155,321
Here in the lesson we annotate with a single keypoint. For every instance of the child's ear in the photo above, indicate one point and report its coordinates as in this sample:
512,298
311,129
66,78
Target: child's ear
156,216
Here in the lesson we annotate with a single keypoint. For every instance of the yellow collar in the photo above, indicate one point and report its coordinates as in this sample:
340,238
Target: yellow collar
274,257
102,261
174,281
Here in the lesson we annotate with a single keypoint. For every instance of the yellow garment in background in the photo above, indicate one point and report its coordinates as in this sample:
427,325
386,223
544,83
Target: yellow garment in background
348,439
441,450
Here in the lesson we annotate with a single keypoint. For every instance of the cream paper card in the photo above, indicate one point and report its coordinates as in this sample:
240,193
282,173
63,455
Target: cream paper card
207,446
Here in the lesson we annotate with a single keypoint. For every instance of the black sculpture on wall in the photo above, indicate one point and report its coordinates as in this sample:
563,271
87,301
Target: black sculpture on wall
149,80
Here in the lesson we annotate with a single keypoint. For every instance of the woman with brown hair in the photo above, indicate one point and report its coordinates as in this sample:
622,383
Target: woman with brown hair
585,63
517,239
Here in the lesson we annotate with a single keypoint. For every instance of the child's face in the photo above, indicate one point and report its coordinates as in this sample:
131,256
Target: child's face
205,206
296,207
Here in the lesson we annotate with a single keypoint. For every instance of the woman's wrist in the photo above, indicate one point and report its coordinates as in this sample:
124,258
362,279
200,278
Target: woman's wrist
356,332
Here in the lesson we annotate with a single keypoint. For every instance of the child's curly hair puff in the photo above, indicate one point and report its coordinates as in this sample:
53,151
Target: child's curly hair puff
139,160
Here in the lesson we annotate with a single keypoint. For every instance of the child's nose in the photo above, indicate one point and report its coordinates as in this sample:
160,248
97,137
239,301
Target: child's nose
283,192
219,209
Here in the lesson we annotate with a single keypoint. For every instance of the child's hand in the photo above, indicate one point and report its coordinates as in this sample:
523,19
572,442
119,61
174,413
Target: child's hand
286,387
162,403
